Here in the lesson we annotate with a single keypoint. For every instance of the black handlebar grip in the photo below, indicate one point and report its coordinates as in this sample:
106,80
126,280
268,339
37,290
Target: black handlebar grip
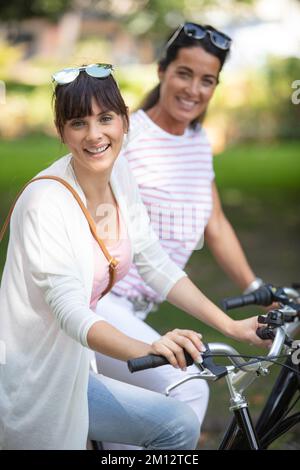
151,361
265,333
240,301
262,296
146,362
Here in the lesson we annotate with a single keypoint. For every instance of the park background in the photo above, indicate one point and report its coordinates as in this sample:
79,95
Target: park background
253,123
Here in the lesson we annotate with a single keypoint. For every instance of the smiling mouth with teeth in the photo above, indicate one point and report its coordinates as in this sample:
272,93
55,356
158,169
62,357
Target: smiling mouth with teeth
98,149
187,103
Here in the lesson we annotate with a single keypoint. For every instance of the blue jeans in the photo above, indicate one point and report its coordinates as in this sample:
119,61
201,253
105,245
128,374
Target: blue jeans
123,413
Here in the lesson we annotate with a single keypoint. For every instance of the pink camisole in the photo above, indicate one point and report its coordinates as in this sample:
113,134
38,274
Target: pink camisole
121,250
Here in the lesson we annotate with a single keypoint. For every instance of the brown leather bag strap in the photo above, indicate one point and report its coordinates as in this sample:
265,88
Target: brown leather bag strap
112,262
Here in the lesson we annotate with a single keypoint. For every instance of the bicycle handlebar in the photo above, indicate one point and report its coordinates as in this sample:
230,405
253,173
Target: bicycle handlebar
152,360
265,295
262,296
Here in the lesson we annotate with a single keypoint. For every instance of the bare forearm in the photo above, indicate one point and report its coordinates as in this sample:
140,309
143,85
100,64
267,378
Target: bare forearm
106,339
186,296
229,254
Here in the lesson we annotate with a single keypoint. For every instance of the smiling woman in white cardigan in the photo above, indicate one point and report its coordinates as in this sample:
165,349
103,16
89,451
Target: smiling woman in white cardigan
54,274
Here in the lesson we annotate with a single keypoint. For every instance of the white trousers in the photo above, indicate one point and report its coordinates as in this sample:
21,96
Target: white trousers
118,312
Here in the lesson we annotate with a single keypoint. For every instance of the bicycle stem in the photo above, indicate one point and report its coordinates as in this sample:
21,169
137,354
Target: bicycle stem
238,381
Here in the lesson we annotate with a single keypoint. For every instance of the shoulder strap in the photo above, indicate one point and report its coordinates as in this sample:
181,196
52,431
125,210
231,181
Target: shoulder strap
112,262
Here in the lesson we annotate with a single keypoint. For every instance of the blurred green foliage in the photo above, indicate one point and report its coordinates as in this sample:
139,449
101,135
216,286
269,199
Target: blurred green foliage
279,76
140,16
14,10
253,104
256,104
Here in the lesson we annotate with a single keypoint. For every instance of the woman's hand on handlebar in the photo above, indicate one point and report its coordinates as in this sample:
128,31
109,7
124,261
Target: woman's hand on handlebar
172,346
245,330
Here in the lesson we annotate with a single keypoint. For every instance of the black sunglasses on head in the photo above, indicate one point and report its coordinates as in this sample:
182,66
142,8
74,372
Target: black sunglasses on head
197,31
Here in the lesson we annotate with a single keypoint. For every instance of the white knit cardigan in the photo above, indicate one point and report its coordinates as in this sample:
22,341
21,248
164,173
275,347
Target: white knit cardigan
44,307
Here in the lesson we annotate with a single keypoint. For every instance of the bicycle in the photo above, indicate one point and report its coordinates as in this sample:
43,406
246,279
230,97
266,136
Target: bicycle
281,325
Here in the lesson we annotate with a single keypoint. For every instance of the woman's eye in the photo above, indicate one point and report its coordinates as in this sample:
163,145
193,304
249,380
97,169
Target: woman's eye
106,118
77,124
207,82
184,74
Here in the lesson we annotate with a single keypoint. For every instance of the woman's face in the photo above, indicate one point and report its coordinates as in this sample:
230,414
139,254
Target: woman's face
188,84
95,141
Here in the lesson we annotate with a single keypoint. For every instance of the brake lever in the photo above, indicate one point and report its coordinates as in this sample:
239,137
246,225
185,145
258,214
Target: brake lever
208,363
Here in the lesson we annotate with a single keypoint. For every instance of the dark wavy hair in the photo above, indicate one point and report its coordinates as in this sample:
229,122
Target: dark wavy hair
171,53
74,100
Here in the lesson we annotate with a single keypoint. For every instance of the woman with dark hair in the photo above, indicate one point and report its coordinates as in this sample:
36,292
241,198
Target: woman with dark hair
74,232
60,260
170,156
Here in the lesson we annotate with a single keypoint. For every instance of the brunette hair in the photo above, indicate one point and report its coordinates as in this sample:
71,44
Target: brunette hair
171,53
74,100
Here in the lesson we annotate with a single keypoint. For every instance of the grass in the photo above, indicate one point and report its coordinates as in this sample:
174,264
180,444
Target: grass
250,167
23,158
20,160
273,166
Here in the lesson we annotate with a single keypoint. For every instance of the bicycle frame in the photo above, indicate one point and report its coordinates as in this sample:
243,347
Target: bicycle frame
241,434
241,431
272,422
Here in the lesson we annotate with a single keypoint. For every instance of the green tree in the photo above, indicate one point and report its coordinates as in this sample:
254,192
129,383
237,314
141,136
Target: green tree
15,10
142,15
154,17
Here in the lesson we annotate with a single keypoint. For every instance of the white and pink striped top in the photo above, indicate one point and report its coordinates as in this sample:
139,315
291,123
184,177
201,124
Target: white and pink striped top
174,174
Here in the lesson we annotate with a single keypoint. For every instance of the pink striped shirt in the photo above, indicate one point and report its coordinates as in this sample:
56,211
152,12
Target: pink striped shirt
174,174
